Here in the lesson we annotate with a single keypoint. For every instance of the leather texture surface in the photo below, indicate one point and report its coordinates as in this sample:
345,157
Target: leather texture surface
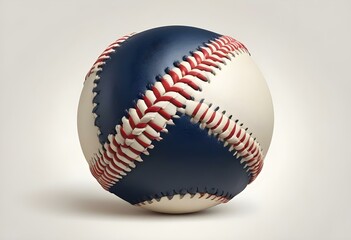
187,160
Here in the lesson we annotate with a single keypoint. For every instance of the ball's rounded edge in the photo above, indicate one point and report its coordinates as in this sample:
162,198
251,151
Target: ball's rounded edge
180,203
87,130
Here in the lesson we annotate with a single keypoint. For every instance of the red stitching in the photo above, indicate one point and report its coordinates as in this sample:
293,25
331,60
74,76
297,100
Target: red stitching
128,139
218,123
226,125
103,56
138,112
155,126
237,137
190,83
211,118
196,110
147,101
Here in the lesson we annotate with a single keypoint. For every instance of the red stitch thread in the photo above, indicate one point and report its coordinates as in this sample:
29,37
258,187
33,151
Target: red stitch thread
214,53
102,58
239,139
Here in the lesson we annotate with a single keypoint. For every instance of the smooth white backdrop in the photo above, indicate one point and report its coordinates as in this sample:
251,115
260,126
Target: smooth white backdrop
302,48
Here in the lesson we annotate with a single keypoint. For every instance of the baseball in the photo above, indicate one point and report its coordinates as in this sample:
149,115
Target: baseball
175,119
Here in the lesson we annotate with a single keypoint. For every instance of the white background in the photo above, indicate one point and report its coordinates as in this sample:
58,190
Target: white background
303,49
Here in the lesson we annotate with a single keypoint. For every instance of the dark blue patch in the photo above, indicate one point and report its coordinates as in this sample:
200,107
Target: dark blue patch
187,160
136,63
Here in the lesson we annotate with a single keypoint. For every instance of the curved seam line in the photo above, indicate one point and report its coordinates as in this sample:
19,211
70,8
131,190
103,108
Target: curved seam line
133,138
221,198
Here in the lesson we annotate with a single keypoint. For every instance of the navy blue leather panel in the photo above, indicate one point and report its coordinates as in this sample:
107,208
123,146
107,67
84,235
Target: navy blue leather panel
187,159
135,64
